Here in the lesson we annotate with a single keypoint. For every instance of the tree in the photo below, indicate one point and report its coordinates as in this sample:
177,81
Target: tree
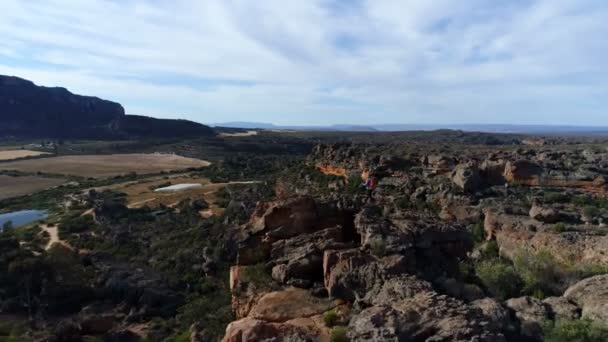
8,225
28,273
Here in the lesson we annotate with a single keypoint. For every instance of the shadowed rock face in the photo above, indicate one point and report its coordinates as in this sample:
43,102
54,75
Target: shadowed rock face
33,111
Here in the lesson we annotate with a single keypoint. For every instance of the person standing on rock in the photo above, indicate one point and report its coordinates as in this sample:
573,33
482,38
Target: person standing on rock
370,185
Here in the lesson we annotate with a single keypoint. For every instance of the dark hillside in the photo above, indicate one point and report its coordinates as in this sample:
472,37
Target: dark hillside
31,111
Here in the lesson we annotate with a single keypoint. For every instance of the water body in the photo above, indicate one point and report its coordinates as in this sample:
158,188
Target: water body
23,217
179,187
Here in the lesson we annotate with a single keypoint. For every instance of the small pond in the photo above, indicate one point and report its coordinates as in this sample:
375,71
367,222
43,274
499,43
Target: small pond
22,217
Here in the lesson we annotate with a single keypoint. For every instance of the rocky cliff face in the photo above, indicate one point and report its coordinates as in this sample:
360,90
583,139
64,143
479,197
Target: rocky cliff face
367,270
34,111
30,110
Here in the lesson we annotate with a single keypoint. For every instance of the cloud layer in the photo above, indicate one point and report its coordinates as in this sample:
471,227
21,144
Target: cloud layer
321,61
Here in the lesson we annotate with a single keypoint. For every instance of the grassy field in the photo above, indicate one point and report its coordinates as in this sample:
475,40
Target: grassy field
16,154
101,166
19,186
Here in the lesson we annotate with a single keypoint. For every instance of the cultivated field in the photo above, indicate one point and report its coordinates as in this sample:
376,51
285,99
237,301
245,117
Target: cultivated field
100,166
141,193
16,154
19,186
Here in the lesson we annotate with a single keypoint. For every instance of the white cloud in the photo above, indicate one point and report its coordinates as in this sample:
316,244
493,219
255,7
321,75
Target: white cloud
315,62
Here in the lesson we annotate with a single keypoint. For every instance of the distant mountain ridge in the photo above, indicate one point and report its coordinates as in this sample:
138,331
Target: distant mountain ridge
263,125
31,111
487,128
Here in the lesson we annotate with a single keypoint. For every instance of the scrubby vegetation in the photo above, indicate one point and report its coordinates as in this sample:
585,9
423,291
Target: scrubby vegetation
339,334
583,330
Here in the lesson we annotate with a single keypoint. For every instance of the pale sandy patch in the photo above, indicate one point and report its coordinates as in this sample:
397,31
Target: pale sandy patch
17,154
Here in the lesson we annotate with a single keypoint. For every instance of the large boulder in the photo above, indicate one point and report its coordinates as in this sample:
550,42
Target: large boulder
254,330
288,304
591,295
531,314
523,172
301,257
561,308
494,311
467,177
291,314
285,218
544,214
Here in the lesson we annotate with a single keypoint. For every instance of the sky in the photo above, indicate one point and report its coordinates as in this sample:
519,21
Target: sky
319,62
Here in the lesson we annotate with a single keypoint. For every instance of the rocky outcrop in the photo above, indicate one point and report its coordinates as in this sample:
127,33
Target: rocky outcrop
560,308
367,261
515,234
544,214
531,314
291,313
591,295
467,177
523,172
409,319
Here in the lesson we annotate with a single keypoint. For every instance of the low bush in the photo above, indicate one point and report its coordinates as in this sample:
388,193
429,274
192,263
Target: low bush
330,318
338,334
583,330
540,272
378,248
76,224
479,234
560,227
499,278
258,275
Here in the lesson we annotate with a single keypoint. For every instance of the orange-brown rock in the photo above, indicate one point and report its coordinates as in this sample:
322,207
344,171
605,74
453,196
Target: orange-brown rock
289,304
332,170
289,313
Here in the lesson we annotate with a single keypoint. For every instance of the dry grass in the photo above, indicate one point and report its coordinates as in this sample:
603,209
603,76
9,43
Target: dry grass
20,186
16,154
101,166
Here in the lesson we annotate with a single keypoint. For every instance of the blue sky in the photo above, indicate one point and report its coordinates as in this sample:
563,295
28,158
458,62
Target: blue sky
321,61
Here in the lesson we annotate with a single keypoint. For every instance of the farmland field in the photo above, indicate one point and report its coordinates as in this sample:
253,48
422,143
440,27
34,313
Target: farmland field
20,186
16,154
141,193
100,166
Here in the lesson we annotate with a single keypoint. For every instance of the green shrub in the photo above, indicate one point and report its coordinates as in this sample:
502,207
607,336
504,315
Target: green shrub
556,197
587,271
378,248
353,186
490,250
499,278
583,330
76,224
338,334
479,234
560,227
539,271
182,337
8,225
330,318
590,211
258,275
